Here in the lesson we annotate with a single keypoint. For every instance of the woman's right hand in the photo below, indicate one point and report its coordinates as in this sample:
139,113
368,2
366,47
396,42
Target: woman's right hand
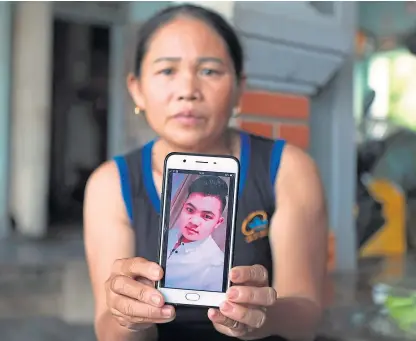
131,296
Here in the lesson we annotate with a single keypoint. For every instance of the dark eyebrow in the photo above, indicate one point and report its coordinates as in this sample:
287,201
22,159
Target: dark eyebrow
200,60
189,204
167,59
210,59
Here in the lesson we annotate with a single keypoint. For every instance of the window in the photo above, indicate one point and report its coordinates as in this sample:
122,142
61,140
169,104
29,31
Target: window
378,80
391,76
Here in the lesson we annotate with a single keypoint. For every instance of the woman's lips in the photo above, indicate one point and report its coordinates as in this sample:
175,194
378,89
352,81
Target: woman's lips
188,118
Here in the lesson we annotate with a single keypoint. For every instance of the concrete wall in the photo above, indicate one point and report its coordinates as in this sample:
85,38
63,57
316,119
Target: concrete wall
5,84
387,18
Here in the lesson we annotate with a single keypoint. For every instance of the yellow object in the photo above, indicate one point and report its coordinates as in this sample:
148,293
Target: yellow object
391,238
137,111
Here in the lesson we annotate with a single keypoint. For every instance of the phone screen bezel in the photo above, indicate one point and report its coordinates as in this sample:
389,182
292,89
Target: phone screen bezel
194,163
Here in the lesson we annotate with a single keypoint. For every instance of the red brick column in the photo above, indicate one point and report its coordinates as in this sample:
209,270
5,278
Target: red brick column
276,115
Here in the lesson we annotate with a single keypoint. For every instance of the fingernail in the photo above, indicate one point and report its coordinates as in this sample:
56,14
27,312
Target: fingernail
212,312
156,299
236,274
232,293
155,271
226,307
167,312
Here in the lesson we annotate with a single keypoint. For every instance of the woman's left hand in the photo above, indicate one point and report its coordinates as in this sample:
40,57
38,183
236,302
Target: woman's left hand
245,309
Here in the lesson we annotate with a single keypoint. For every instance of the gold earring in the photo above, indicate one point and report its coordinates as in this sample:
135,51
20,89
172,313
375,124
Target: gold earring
138,111
236,112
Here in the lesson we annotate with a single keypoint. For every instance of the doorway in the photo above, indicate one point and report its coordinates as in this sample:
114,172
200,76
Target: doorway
79,116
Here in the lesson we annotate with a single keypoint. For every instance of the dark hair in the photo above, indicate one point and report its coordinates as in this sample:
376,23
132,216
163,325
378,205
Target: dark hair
210,185
211,18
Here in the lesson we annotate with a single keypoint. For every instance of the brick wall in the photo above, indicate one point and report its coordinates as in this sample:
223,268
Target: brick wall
276,115
283,116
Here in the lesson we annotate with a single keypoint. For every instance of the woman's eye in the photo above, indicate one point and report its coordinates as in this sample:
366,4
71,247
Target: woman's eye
166,72
209,72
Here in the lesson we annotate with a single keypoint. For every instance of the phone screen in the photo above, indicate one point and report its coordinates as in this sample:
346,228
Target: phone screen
197,230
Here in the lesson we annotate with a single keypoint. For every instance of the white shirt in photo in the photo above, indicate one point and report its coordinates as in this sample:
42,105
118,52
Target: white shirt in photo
194,265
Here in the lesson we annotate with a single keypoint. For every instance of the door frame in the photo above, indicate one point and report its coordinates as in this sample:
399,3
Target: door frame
114,16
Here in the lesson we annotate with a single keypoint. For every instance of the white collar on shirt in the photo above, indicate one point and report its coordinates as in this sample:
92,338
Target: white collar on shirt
214,252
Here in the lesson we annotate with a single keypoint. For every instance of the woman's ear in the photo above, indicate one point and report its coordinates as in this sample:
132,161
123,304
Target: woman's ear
134,88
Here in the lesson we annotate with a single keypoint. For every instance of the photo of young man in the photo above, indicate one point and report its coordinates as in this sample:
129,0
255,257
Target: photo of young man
194,259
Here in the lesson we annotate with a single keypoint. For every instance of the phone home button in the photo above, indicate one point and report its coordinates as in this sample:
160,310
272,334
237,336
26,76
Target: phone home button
192,297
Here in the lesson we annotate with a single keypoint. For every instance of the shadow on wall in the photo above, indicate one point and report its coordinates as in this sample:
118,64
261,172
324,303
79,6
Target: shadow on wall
180,187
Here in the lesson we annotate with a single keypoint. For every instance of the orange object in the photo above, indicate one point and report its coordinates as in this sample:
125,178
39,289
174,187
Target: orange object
331,252
329,284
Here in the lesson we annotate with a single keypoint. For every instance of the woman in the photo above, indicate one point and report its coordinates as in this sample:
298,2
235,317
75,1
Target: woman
187,82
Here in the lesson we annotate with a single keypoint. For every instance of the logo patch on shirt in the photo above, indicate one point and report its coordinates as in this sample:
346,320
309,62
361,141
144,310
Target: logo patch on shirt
255,226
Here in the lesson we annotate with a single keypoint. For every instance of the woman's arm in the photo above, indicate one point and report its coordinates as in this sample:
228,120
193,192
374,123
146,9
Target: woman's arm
108,237
298,238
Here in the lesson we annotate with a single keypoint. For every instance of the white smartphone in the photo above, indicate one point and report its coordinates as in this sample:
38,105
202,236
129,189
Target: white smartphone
198,213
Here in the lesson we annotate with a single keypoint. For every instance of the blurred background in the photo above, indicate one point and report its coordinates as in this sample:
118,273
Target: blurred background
335,78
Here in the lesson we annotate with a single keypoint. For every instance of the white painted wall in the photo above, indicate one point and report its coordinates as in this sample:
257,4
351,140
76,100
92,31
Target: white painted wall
31,102
225,8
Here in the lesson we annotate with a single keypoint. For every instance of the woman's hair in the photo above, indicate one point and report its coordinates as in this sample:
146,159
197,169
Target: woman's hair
211,18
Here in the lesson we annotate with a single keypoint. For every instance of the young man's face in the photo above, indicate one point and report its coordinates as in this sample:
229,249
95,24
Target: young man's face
200,215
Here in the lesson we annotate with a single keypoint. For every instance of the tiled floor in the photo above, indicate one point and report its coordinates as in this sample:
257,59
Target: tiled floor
353,315
43,329
64,246
44,289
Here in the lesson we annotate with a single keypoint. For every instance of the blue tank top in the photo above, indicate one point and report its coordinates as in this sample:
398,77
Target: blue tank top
259,161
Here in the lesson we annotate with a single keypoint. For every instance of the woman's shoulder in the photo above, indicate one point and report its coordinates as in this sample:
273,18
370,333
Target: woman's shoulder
106,175
296,157
109,174
296,165
102,193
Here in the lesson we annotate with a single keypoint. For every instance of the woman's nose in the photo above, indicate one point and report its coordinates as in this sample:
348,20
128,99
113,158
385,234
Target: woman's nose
188,88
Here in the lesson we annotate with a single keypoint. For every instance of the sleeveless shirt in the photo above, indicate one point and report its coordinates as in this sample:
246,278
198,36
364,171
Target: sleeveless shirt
259,163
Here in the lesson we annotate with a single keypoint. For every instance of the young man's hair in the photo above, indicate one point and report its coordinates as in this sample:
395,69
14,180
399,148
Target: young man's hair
211,185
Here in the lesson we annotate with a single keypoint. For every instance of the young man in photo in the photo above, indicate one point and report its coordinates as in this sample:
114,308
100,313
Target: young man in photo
194,260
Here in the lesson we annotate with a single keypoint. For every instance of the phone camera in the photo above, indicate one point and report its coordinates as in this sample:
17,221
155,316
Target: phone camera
184,160
215,163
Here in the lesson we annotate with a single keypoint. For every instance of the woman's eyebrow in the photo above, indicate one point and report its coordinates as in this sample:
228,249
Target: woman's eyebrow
200,60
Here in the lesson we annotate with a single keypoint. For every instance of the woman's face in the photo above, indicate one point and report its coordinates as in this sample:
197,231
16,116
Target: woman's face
187,86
